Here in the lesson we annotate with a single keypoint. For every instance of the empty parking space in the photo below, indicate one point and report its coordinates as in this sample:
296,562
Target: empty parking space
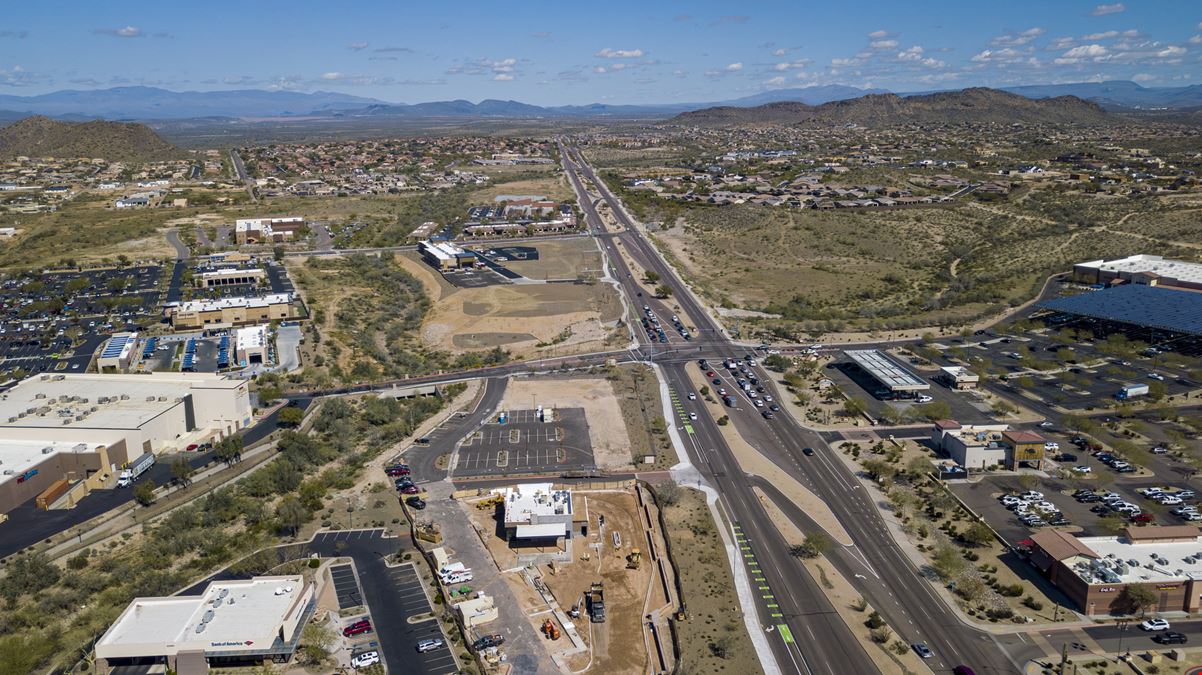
474,278
413,602
346,586
523,445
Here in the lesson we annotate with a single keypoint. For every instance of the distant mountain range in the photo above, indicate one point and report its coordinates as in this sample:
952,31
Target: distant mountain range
977,105
41,136
154,104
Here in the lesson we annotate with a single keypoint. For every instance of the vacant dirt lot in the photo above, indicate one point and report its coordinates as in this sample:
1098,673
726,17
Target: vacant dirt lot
606,430
560,259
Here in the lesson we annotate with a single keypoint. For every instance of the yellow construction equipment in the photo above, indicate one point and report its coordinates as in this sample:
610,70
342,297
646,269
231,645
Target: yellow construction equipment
634,559
490,503
550,629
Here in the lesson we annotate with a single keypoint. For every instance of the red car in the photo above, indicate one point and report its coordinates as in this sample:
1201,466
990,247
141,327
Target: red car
357,628
1143,518
411,490
192,447
397,470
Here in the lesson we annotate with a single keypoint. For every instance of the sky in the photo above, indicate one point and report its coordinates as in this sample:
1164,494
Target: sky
560,53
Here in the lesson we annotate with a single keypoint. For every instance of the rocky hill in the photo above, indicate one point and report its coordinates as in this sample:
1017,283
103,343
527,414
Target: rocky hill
976,106
115,141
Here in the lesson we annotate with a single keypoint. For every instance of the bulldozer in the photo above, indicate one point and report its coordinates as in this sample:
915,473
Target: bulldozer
634,559
550,630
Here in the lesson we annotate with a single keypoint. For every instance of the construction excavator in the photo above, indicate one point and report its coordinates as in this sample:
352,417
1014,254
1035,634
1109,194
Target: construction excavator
634,559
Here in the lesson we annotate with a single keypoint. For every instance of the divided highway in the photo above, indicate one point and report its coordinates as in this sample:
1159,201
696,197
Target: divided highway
875,564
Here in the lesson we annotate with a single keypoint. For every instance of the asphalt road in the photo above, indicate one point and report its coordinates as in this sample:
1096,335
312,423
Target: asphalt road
422,458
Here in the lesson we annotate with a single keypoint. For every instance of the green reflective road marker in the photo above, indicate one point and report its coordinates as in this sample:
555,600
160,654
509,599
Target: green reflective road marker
785,633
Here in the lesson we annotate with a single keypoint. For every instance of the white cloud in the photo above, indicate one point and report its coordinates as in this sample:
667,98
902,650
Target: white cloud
1093,37
502,77
1103,10
1095,52
791,65
600,70
1142,77
1196,40
1004,55
911,54
608,53
333,75
1017,39
878,34
780,52
680,73
734,67
357,46
126,32
618,66
775,82
883,44
1171,52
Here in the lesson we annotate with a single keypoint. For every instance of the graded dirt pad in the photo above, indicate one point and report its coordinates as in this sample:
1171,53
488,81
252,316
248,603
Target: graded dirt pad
606,429
618,645
560,259
529,320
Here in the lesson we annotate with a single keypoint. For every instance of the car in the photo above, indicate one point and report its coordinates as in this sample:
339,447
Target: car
410,490
397,470
716,380
416,502
924,398
1100,509
191,447
722,391
1150,491
692,396
1193,516
1089,499
1032,494
1081,468
1143,518
963,670
429,645
488,641
922,650
1126,468
758,403
1170,500
357,628
1156,376
1154,625
711,374
808,452
1186,494
1046,424
767,415
402,483
1159,450
774,408
1171,637
365,659
692,415
1051,446
1066,457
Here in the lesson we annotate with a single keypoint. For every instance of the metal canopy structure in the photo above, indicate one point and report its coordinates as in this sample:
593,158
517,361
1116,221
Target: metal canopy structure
1164,309
887,371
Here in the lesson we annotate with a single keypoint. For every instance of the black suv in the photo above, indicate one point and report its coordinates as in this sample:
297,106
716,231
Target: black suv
1171,638
416,502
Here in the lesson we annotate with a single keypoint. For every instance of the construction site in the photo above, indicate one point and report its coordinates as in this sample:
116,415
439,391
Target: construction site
601,595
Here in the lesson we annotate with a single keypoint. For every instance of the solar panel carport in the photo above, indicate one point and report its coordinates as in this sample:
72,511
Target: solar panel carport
1163,309
886,371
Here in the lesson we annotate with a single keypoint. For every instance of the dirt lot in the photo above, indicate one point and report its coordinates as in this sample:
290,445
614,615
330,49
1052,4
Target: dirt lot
713,637
552,185
560,259
606,429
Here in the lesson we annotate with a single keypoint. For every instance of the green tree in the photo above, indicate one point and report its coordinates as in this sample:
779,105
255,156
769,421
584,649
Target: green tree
291,514
1138,599
290,416
181,472
278,252
947,561
854,407
815,544
268,394
977,534
777,362
144,493
663,291
651,277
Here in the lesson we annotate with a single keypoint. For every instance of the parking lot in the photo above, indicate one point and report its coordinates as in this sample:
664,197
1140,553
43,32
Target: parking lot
54,322
413,601
965,406
346,586
525,445
474,278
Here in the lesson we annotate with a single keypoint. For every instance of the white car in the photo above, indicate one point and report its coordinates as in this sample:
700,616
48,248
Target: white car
925,399
692,415
1154,625
1169,500
692,396
1156,376
1192,516
1045,506
366,659
1051,446
759,403
1082,469
1046,424
1032,494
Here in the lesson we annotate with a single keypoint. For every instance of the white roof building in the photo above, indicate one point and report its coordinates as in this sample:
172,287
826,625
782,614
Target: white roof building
1141,269
151,411
537,511
238,621
250,344
231,303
